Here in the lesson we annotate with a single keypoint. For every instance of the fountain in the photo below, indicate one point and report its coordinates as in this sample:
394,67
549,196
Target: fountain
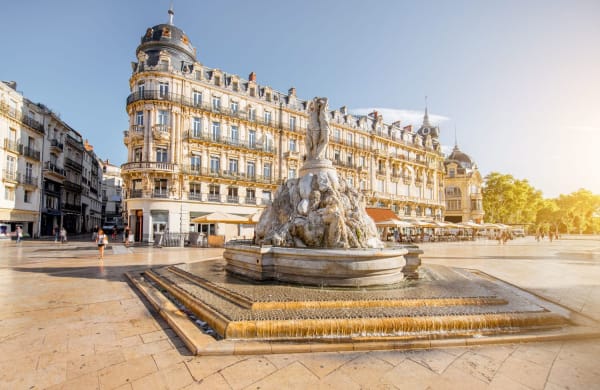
317,278
317,231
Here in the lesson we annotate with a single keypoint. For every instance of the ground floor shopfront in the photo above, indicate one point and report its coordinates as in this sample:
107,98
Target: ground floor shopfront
10,219
148,217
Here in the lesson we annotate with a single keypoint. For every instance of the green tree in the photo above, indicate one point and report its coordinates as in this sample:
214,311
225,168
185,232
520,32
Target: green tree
579,212
509,200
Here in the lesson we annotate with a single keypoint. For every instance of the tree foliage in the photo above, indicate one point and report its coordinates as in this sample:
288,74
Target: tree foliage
512,201
509,200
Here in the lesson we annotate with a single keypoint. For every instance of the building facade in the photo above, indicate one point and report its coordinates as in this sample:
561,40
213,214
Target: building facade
201,140
22,133
463,183
91,185
112,194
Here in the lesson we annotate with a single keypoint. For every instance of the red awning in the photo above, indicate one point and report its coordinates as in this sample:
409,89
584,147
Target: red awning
380,215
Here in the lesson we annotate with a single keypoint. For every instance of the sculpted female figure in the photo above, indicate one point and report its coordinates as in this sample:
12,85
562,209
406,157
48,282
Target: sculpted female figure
317,134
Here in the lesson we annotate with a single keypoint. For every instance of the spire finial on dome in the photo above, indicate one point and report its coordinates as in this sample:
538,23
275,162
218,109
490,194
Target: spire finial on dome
455,138
426,116
171,13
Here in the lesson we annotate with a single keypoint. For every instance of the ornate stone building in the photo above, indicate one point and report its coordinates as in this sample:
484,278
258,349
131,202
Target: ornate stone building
201,140
22,134
463,184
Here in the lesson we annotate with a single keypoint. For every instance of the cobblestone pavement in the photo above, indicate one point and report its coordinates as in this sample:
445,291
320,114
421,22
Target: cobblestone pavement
69,321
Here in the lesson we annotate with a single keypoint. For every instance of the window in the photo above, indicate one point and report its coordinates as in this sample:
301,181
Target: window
141,88
453,192
380,186
292,145
216,103
234,107
161,155
9,193
454,205
252,114
336,135
268,117
292,173
214,193
349,139
250,169
163,89
250,194
196,127
232,195
235,136
197,98
350,181
27,196
139,118
252,91
214,164
195,163
451,172
160,188
292,123
267,170
362,142
195,191
361,160
233,166
251,138
29,173
216,131
137,154
163,117
235,86
349,159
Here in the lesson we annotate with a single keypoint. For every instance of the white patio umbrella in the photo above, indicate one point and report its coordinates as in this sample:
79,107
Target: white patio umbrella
220,217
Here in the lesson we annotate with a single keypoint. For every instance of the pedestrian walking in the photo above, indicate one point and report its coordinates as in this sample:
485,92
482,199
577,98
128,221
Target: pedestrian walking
101,241
95,233
19,234
126,235
63,235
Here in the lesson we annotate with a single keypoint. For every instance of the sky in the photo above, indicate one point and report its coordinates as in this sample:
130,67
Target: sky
517,82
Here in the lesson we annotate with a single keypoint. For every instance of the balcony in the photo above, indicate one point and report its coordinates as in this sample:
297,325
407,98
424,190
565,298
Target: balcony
56,146
30,122
235,142
293,154
149,166
136,194
10,176
73,208
28,180
233,199
194,196
344,164
11,145
205,106
381,172
30,152
72,186
213,197
250,200
72,164
160,194
54,169
406,179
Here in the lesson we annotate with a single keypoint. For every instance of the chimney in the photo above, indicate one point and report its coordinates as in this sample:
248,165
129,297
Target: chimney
407,128
292,91
252,76
375,114
344,110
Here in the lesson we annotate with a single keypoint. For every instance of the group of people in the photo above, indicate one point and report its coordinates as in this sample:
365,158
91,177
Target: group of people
60,234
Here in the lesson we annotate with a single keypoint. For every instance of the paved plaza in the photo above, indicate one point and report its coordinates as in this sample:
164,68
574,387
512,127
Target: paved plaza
69,321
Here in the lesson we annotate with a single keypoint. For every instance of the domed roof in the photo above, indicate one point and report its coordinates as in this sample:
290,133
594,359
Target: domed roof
462,158
166,37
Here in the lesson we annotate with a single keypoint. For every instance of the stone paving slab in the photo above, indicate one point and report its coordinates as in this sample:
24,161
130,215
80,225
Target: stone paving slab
69,321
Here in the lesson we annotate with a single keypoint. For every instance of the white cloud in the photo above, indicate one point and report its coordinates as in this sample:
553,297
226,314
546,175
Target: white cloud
407,117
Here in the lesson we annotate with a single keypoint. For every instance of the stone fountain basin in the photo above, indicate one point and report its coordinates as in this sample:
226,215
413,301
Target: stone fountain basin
322,267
